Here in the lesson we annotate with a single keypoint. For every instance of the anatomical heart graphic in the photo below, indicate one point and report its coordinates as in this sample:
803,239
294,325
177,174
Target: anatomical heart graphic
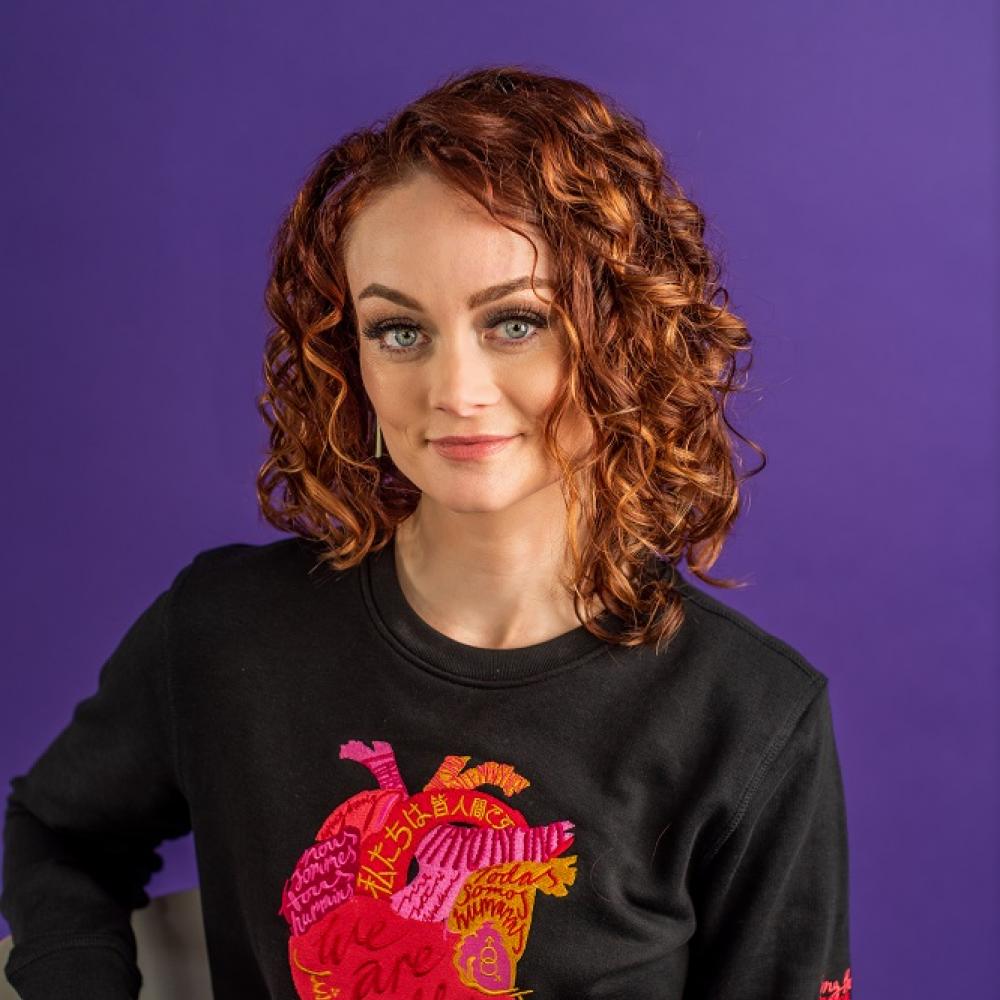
421,896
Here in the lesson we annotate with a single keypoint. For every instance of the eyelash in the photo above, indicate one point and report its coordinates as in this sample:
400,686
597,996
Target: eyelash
378,329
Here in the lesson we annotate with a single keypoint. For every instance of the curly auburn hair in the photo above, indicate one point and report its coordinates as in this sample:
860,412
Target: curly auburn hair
652,358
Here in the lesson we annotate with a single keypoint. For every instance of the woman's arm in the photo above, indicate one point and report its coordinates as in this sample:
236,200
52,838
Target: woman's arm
772,899
81,826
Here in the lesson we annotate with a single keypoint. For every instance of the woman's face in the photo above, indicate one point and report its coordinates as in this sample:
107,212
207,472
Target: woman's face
446,350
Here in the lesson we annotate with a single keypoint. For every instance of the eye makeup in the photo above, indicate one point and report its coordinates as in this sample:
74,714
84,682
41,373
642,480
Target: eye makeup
377,329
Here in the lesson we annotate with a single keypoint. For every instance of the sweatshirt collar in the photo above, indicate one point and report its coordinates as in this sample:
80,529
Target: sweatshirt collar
445,656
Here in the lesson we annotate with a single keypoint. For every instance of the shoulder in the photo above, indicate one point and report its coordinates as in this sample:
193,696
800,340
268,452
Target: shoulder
756,699
749,678
737,631
247,558
240,580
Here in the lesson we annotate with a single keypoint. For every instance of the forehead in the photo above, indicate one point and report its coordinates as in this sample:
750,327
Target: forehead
424,237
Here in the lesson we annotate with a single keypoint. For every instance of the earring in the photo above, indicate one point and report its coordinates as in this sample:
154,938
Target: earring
378,439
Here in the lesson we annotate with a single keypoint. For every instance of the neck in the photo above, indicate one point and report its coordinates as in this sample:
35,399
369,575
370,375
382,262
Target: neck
494,589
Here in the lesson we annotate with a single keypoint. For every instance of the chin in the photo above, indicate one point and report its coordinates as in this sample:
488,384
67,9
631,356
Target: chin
475,501
468,494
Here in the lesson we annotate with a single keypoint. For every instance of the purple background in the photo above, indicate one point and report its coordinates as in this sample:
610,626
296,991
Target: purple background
846,157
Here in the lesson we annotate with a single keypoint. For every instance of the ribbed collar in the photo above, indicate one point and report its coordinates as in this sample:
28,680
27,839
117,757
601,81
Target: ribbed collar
446,656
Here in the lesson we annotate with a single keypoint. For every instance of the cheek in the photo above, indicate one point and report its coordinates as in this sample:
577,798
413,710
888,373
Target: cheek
542,387
387,387
576,433
536,385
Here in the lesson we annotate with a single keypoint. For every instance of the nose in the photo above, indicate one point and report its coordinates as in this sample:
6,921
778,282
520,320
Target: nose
461,374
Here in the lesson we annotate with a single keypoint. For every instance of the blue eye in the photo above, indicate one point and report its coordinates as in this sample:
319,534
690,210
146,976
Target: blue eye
517,319
378,329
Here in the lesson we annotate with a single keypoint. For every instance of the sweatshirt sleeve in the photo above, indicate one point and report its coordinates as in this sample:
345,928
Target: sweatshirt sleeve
81,826
772,900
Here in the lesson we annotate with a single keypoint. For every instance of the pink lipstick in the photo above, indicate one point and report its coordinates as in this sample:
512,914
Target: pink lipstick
474,446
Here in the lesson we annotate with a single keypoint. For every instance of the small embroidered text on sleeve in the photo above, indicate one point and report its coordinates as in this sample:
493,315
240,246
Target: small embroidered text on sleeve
836,989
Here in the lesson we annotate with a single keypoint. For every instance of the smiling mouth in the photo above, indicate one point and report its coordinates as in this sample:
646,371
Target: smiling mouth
471,448
471,439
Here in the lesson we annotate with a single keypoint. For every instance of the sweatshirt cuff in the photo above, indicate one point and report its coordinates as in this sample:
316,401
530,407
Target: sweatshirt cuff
90,971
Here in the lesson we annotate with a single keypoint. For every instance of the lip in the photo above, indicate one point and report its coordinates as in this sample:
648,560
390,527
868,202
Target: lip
474,446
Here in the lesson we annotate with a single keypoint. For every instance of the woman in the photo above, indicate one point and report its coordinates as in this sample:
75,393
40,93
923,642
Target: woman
466,732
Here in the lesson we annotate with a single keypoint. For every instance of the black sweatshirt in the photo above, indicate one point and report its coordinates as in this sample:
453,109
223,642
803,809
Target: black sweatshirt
381,811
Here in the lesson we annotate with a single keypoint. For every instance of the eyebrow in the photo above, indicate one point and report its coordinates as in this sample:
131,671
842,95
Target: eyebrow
479,298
